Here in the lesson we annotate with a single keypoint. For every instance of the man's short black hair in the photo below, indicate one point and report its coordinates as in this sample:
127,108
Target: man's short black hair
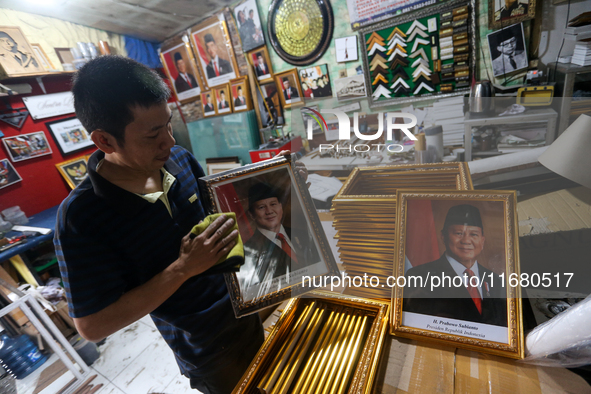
261,191
208,38
239,88
222,92
259,55
107,87
285,79
178,56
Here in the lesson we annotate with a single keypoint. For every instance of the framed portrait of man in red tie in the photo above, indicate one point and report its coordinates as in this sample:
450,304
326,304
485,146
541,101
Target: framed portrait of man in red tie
223,99
214,53
241,98
284,243
181,70
455,256
288,84
261,62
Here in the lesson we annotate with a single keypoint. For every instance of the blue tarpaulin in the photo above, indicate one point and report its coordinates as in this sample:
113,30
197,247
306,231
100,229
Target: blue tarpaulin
143,51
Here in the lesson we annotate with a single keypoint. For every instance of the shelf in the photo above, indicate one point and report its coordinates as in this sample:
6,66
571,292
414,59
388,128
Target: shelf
36,75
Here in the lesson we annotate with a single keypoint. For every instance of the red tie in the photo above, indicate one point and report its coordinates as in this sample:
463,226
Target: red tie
188,80
473,290
241,100
288,94
217,72
286,248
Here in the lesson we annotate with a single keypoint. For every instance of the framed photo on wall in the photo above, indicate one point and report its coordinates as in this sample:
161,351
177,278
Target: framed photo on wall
213,49
507,50
74,171
280,248
505,12
209,103
249,25
8,175
315,82
223,99
177,59
287,83
16,54
65,55
262,64
27,146
69,135
240,90
470,237
346,49
42,56
350,88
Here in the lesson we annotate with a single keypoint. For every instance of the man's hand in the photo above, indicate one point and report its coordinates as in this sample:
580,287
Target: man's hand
200,253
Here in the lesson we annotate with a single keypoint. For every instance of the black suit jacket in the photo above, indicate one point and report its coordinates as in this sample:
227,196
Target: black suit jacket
224,67
455,302
226,104
260,72
294,93
262,255
208,108
181,85
238,103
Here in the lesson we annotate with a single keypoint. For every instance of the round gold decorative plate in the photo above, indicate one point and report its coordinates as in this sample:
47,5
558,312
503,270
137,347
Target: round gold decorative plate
300,30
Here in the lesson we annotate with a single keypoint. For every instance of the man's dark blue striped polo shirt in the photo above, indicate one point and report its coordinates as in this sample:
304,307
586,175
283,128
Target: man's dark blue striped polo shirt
109,241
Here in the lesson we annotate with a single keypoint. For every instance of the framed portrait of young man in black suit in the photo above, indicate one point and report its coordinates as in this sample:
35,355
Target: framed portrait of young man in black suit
209,103
285,247
214,53
180,68
456,270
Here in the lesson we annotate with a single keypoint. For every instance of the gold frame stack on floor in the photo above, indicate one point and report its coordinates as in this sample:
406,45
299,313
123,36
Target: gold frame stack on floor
329,344
364,214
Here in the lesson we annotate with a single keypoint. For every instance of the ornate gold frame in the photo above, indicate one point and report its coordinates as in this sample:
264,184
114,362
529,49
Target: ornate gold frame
61,168
242,81
365,373
515,347
193,65
241,307
278,76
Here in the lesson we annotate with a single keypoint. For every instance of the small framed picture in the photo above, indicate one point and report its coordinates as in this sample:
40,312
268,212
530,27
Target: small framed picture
27,146
505,12
8,175
249,25
350,88
284,243
69,135
213,49
65,55
273,102
287,83
262,64
507,50
208,101
74,171
315,82
17,57
223,99
241,97
469,241
177,59
346,49
42,56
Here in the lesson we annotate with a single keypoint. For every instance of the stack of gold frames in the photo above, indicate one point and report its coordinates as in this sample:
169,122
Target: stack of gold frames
325,345
364,213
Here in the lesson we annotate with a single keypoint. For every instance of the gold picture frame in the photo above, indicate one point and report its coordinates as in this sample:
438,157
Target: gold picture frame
210,39
223,99
185,78
261,62
271,273
42,56
74,171
486,318
518,11
241,102
208,103
17,58
291,93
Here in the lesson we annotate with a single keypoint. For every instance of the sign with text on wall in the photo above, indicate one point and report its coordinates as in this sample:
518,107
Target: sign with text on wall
48,105
368,12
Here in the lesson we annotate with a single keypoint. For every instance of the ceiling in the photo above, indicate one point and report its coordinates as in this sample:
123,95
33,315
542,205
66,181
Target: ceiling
151,20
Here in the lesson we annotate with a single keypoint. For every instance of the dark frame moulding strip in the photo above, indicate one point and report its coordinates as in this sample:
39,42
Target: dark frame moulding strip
436,9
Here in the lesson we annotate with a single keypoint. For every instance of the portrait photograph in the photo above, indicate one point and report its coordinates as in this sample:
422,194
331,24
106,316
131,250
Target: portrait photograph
506,12
27,146
346,49
315,82
249,25
209,103
456,253
507,50
280,229
177,59
214,52
223,99
287,82
16,54
69,135
262,64
350,88
74,171
8,175
240,91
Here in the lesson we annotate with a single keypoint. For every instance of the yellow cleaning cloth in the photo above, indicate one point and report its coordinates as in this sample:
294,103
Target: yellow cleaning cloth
235,258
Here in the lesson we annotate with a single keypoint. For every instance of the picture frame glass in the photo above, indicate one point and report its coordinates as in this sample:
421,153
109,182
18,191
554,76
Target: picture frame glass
507,50
262,64
239,97
346,49
69,135
8,175
289,85
74,171
315,82
209,103
27,146
184,78
214,53
222,100
249,25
